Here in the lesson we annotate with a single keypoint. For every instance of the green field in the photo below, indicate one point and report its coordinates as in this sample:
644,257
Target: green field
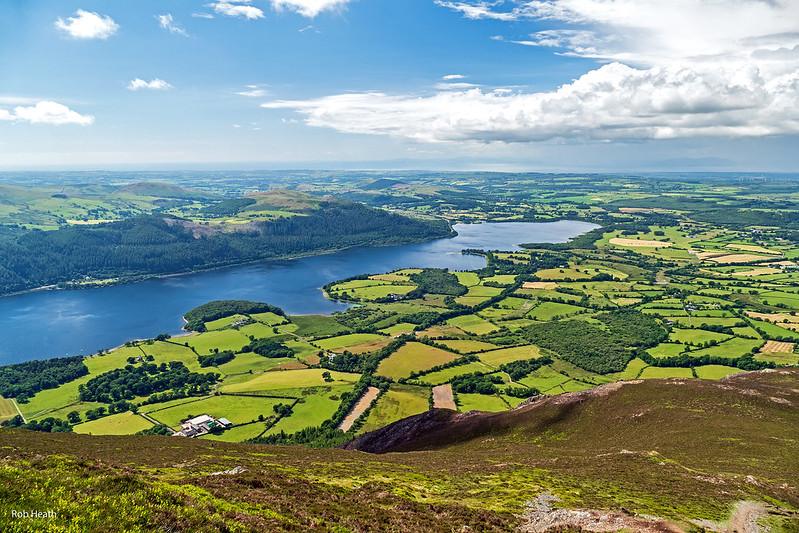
413,357
228,339
346,341
472,324
653,372
237,409
118,424
289,379
481,402
506,355
443,376
467,345
398,402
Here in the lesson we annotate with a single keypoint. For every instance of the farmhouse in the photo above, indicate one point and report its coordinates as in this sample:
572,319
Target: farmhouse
200,425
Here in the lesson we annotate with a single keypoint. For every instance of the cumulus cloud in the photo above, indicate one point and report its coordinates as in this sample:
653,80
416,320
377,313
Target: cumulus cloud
308,8
665,73
167,22
87,25
156,84
612,102
237,8
46,112
647,32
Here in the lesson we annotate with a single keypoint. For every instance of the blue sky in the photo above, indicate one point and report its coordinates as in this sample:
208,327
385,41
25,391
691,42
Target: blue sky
538,85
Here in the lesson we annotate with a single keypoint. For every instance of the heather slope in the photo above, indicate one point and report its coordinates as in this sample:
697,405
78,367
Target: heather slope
680,450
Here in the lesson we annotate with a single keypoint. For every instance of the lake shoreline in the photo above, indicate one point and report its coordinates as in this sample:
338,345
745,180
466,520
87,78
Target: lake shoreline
126,280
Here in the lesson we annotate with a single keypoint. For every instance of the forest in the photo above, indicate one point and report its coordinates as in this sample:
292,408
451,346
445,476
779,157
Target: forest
152,245
23,380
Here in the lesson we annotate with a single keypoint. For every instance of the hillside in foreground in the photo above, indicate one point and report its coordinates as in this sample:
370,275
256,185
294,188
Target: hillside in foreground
657,455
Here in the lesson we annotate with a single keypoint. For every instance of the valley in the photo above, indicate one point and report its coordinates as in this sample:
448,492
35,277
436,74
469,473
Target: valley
647,302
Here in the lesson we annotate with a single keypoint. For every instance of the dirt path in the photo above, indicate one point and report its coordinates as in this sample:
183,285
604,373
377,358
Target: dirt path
443,397
363,404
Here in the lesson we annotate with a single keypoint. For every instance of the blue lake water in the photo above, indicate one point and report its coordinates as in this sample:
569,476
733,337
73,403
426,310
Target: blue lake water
54,323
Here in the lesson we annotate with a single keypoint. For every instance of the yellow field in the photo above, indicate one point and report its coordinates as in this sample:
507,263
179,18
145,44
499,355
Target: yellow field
639,243
7,409
757,272
752,248
506,355
738,258
549,285
778,347
290,379
413,357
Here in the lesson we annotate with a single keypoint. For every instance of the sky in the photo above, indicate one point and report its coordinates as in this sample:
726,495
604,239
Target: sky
537,85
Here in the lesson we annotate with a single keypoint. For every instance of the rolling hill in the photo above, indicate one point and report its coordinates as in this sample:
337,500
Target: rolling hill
655,455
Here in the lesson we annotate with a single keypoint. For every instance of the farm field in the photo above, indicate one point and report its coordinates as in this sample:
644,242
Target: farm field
413,357
400,401
656,292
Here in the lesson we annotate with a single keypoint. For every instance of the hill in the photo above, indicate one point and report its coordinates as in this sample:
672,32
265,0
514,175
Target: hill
152,245
163,190
692,453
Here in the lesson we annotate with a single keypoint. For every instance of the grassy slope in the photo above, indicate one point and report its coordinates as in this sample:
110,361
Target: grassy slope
675,451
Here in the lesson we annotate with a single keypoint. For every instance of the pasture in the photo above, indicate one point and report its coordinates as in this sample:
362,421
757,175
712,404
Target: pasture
413,357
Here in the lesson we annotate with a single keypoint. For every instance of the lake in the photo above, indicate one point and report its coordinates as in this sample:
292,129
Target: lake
46,324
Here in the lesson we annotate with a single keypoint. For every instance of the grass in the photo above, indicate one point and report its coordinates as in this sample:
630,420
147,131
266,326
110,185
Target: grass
118,424
481,402
632,371
549,310
667,349
250,363
731,349
317,325
7,409
52,399
467,345
506,355
398,329
289,379
696,336
269,318
312,410
716,371
443,376
224,322
413,357
472,324
400,401
345,341
653,372
164,352
237,409
227,339
544,379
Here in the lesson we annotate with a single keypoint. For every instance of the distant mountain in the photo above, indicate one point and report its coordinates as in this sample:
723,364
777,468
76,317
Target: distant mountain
163,190
381,184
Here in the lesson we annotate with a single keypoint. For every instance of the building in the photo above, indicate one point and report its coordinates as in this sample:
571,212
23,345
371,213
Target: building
200,425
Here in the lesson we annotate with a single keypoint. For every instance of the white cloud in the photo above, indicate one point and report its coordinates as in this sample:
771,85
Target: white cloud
667,74
613,102
650,32
156,84
449,77
46,112
87,25
207,16
478,10
457,86
309,8
253,91
167,22
237,8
